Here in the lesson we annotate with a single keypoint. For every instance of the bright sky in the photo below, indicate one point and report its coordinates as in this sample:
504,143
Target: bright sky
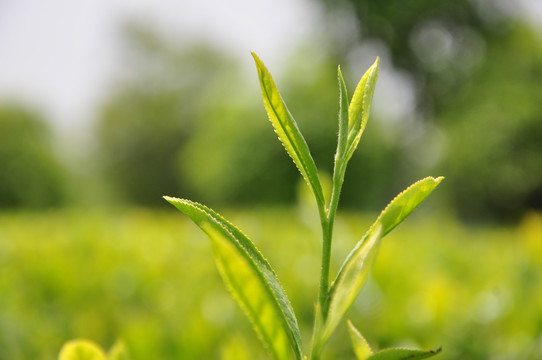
58,55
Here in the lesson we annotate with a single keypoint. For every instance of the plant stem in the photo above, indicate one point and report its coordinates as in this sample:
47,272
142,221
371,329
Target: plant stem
327,222
327,236
327,230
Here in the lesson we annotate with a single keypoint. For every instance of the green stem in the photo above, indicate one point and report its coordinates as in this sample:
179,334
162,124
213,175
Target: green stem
327,232
327,222
339,168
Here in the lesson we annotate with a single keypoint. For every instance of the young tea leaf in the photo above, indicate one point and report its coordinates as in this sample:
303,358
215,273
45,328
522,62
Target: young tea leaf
345,288
250,279
404,203
343,117
361,347
288,132
356,267
403,354
81,350
360,106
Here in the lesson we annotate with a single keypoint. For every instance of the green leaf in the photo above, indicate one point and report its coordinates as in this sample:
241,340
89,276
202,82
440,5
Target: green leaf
250,279
361,347
403,354
355,269
343,117
288,132
347,285
360,107
404,203
81,350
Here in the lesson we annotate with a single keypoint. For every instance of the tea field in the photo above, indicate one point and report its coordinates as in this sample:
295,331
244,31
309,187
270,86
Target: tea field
148,278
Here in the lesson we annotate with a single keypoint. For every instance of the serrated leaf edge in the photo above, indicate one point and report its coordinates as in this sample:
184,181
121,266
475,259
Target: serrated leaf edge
295,337
305,164
436,181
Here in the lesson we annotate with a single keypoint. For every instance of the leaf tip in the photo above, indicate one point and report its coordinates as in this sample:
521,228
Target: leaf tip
169,199
438,179
257,60
362,348
176,201
376,64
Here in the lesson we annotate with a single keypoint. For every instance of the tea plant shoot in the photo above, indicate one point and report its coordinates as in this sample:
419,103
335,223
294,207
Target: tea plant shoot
249,276
251,279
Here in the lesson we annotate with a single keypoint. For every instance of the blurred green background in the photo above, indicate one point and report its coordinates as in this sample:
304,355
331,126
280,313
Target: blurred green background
88,248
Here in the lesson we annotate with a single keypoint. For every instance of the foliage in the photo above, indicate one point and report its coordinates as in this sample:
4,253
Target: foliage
310,79
474,66
148,119
175,125
494,127
80,274
212,158
31,174
248,275
436,41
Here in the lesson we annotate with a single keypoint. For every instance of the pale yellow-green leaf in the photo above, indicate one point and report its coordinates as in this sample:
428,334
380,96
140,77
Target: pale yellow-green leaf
357,265
346,287
81,350
360,107
250,279
288,132
361,347
404,203
343,117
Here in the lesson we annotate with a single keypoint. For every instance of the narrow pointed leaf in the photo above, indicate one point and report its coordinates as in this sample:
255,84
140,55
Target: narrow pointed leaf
250,279
346,287
360,107
81,350
405,203
361,347
343,117
403,354
288,132
356,267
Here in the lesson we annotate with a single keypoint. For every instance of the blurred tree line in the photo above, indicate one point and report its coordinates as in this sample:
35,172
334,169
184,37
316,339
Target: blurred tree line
189,124
31,174
184,120
478,75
